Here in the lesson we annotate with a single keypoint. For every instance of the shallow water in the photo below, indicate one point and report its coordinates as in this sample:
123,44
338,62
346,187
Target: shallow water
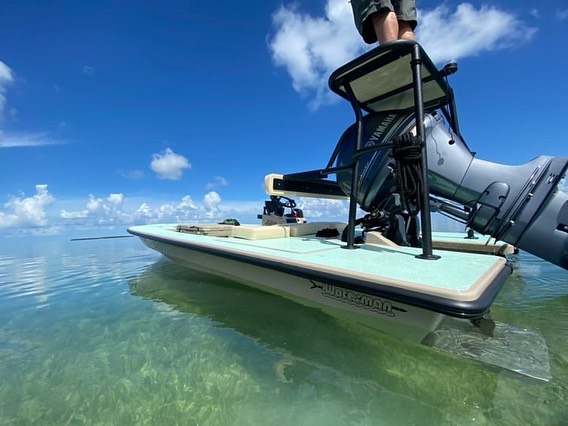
108,332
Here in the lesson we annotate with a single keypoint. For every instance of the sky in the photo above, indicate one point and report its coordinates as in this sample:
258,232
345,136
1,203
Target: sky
131,112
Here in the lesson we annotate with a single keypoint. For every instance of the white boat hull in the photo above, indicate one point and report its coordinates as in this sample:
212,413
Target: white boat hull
405,321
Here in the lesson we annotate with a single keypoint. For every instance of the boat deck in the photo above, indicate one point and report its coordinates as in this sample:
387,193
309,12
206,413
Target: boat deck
457,281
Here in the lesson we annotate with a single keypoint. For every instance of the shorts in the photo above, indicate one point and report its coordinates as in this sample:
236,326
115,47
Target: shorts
405,10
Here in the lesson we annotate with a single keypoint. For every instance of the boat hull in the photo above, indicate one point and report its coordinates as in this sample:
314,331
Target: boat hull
399,319
384,286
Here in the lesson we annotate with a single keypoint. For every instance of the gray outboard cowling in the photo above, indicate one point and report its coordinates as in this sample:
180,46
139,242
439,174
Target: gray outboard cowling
377,179
522,205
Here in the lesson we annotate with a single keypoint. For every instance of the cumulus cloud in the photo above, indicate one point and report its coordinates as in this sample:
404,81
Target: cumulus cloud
311,47
169,165
74,214
116,199
99,211
323,209
112,211
116,210
25,211
452,34
20,214
184,210
211,203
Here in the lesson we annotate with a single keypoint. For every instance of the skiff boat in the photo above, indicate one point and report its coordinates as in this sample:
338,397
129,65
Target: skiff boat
403,158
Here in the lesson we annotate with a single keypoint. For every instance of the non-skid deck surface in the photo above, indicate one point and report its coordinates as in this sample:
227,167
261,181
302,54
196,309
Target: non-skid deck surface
459,276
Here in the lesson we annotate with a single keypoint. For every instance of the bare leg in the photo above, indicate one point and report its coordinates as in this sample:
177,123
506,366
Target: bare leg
386,26
405,31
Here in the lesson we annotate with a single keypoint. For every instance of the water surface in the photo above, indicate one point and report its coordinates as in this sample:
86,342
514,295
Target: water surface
109,332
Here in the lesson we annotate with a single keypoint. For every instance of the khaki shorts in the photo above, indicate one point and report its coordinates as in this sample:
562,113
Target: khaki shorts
362,9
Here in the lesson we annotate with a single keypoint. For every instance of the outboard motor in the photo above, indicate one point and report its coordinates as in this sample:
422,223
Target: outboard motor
522,205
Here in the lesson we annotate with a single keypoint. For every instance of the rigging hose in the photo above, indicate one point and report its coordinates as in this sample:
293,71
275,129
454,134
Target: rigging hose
407,152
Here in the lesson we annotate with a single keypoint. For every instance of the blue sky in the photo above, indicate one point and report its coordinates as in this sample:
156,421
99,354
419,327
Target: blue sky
115,113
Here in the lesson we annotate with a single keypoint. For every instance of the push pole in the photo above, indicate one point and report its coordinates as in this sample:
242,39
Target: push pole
425,219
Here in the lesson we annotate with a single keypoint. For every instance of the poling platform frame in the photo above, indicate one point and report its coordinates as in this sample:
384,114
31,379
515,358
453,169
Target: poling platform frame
394,78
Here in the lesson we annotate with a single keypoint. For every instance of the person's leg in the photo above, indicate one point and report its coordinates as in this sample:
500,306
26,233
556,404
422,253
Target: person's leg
386,26
405,31
406,15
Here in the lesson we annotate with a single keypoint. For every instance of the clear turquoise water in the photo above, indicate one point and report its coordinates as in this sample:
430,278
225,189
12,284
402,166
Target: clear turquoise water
108,332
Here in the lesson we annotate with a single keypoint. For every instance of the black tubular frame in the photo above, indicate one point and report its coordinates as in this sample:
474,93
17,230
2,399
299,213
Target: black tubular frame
340,83
425,217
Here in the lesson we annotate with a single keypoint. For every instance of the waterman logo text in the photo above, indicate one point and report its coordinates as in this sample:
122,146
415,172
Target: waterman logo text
364,301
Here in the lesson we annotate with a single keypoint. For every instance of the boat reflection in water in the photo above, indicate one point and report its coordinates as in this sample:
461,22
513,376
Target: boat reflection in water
403,157
307,344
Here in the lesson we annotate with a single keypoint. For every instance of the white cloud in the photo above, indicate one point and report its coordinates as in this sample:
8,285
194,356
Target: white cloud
323,209
71,215
27,139
6,77
446,34
98,211
211,202
144,212
219,181
96,205
310,48
562,14
169,165
13,140
112,210
184,211
6,74
118,211
116,199
27,211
